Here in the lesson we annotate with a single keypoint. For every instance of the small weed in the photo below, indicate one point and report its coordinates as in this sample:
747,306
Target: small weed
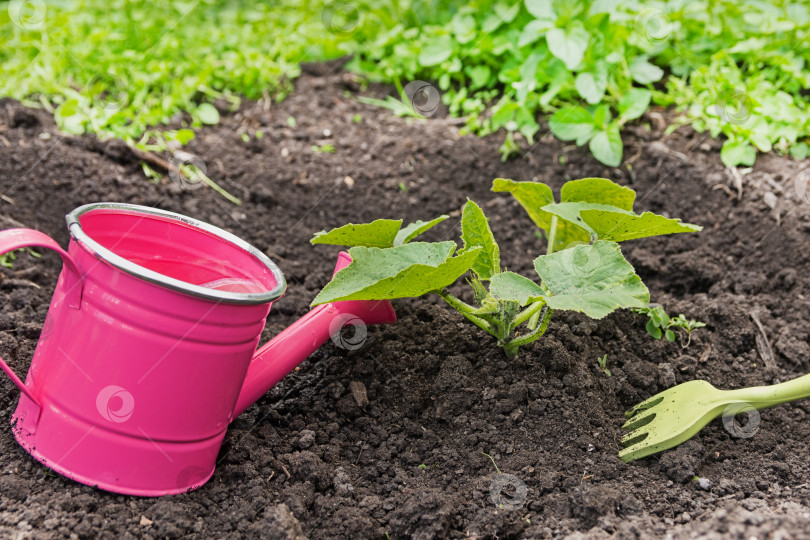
509,148
8,259
602,361
660,324
323,149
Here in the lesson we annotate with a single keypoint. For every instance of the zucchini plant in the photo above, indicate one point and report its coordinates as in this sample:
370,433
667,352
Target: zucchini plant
582,270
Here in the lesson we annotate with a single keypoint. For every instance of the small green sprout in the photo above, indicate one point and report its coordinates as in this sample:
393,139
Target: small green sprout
357,118
8,259
291,121
602,361
660,324
323,149
509,148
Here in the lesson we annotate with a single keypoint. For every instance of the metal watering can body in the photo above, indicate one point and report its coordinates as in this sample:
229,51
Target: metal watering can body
148,350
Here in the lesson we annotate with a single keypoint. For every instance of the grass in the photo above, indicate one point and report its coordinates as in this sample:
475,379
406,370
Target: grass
122,68
117,68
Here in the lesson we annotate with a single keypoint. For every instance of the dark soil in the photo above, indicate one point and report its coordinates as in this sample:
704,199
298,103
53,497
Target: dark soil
307,460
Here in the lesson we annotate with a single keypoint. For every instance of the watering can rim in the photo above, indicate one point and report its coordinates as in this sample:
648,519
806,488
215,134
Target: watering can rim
140,272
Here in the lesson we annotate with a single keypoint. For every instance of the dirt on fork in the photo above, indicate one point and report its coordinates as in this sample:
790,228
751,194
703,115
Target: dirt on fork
314,459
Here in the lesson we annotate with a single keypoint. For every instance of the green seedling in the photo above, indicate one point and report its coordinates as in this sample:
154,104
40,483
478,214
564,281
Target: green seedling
399,107
7,259
583,269
323,149
659,324
497,470
602,361
509,148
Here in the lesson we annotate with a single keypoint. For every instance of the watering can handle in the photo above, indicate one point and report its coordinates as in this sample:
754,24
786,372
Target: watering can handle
12,239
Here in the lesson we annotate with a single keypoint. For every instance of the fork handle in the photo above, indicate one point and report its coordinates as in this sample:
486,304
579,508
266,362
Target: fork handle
762,397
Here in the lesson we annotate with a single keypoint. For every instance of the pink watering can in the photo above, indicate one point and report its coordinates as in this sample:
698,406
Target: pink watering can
148,351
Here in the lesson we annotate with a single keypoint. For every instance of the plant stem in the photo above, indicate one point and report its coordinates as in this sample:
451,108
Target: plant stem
467,310
532,324
528,313
512,347
552,235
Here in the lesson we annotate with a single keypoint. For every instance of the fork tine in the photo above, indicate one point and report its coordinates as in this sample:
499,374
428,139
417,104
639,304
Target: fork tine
646,404
639,421
633,438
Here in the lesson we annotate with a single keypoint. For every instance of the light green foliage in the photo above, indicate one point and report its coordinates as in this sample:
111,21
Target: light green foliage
379,233
735,68
411,231
591,208
403,271
660,324
116,67
741,70
592,278
513,287
475,233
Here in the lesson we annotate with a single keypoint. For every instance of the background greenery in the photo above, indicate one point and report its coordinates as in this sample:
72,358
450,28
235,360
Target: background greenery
118,68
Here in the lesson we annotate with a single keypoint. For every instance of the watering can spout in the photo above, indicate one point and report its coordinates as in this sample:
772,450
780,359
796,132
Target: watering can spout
284,352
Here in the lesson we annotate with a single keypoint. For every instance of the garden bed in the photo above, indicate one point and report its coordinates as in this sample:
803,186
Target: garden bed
312,459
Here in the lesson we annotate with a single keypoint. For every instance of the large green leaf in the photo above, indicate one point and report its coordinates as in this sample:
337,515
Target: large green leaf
514,287
610,223
569,44
590,190
607,147
475,232
380,233
592,279
634,103
404,271
412,230
572,123
617,226
532,196
598,190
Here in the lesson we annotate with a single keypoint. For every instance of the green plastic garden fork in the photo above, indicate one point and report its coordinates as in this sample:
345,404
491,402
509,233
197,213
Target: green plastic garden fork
675,415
